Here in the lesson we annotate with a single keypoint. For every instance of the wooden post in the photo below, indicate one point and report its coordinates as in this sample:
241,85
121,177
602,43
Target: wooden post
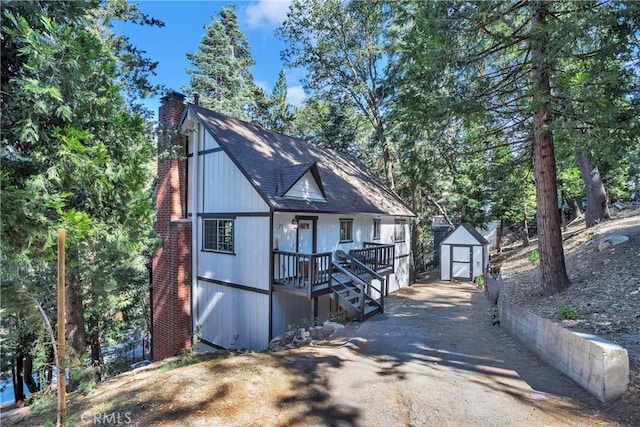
62,385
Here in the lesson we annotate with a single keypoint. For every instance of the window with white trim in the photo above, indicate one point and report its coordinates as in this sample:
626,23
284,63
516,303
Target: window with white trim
400,233
217,235
346,230
376,229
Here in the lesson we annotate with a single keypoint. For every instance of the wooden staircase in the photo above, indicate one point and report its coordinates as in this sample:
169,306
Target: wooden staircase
349,281
351,288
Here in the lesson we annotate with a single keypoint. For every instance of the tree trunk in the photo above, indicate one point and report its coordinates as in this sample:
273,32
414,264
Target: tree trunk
76,335
525,223
553,273
499,236
31,384
386,154
417,237
18,380
597,209
95,350
574,208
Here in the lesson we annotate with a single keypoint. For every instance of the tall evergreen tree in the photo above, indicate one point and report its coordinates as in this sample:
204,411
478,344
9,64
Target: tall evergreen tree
335,126
220,75
280,114
342,46
503,64
239,42
75,155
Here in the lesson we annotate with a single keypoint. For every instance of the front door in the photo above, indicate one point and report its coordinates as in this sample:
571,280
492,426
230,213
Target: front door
461,262
305,236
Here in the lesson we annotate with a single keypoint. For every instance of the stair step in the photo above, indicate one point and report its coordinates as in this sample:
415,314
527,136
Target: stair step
371,309
367,305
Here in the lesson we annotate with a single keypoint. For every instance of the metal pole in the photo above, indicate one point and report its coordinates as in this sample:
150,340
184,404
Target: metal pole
62,385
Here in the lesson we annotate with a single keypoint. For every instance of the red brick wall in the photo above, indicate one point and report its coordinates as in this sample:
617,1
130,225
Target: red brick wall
171,285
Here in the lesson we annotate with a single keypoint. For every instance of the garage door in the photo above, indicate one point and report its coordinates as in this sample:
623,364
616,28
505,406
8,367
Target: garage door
461,261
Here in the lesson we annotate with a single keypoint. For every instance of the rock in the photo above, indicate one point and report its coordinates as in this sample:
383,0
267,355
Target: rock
610,241
494,283
332,326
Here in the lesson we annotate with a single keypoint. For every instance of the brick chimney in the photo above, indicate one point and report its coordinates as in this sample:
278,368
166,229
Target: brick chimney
171,286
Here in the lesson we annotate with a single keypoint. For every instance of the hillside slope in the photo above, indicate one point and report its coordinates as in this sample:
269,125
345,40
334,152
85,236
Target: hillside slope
604,296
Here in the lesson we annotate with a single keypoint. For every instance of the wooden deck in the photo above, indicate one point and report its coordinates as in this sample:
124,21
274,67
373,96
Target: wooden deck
348,280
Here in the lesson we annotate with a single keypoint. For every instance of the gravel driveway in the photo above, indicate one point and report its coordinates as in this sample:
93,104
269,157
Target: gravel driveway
434,359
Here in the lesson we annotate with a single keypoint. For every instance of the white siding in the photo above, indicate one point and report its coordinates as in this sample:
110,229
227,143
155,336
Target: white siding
328,238
232,318
400,278
477,261
445,262
225,314
249,266
209,142
461,237
306,188
225,188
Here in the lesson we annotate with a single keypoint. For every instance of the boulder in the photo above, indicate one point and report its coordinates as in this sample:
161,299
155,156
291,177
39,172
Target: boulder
610,241
493,284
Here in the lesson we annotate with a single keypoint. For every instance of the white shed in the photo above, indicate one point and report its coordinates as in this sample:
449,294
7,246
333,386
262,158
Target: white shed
464,254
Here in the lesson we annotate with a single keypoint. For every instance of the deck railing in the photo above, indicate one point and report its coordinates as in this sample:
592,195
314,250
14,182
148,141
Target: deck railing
302,271
376,256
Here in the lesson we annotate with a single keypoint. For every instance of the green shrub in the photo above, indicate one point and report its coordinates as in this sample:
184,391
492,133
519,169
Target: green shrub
534,257
567,311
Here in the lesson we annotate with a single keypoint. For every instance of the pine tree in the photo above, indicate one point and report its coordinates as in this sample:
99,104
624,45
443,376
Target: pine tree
343,47
280,114
74,155
220,75
538,75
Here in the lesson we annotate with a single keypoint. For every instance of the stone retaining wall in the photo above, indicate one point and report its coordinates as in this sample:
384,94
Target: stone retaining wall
598,365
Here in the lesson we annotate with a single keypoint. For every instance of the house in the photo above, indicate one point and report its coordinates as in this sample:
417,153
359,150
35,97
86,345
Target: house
262,231
464,254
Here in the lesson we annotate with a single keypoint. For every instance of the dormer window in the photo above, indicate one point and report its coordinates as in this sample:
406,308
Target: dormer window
306,188
301,182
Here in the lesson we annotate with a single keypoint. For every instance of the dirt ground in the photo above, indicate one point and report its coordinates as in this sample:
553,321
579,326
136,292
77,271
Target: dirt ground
433,358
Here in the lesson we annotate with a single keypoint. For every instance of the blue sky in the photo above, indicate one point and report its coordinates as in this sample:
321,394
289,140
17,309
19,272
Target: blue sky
183,30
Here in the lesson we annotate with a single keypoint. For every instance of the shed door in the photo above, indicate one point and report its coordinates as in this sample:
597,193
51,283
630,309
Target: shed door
461,262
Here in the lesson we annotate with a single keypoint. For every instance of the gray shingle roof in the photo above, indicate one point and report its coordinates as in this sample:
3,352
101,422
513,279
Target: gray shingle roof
471,230
271,160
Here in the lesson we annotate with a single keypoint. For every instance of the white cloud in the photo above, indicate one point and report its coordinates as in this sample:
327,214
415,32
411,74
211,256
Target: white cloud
266,13
295,95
